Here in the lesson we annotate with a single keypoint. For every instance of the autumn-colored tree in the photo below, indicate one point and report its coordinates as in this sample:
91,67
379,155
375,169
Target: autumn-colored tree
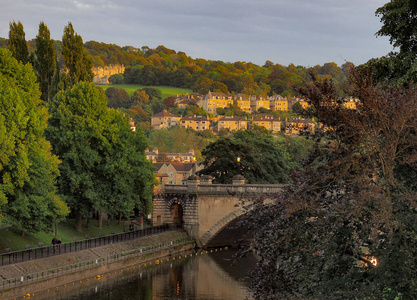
346,227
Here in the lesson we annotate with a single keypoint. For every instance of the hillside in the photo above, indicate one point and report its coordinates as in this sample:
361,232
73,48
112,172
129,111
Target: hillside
166,67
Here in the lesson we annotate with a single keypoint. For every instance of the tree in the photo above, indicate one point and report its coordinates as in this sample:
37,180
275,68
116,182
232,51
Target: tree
45,60
17,42
77,63
140,97
116,79
103,162
345,228
118,98
399,24
297,108
28,196
262,159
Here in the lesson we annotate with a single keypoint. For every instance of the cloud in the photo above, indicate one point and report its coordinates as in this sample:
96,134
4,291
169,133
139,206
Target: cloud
304,32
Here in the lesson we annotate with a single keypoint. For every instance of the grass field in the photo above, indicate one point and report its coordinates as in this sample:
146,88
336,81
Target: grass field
11,238
165,90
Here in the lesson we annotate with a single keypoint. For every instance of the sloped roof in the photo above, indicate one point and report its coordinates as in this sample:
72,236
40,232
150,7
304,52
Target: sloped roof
266,118
164,113
194,118
231,118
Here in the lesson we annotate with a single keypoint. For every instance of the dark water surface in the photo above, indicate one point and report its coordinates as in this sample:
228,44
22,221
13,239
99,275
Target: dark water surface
203,275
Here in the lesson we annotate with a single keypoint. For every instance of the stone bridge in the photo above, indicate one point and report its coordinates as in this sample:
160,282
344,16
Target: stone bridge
203,209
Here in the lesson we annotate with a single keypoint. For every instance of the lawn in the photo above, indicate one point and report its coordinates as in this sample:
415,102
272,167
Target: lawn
165,90
11,238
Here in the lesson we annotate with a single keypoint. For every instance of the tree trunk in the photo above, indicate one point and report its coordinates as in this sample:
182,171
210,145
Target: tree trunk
22,234
78,222
108,221
100,219
88,222
120,219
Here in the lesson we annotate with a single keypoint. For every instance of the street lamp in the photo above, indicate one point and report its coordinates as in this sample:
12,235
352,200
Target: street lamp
238,164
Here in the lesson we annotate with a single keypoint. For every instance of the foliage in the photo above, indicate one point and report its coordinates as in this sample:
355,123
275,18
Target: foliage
77,64
103,162
354,201
28,197
45,61
118,98
17,42
262,159
117,79
399,24
178,140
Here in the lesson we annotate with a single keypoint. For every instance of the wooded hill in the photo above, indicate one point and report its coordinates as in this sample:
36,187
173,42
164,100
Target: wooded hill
163,66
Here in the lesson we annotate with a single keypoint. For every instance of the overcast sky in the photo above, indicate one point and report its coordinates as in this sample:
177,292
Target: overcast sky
303,32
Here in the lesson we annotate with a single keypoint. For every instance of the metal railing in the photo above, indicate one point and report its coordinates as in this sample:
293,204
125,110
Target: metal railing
28,278
47,251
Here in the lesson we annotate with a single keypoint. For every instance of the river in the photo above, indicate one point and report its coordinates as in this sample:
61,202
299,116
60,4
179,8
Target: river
208,275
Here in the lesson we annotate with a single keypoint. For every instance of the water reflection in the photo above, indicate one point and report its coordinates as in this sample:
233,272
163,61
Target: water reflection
193,275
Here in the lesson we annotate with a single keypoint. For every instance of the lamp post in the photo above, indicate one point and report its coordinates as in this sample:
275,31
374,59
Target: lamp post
238,164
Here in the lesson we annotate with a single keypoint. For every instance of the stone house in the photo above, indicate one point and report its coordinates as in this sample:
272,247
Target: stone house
256,102
243,102
214,100
232,123
268,122
198,123
294,126
164,120
176,172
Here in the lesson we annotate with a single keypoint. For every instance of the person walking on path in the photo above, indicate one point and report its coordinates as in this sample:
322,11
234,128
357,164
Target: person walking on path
59,245
54,242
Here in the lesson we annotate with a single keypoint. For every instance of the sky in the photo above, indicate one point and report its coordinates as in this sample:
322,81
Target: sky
302,32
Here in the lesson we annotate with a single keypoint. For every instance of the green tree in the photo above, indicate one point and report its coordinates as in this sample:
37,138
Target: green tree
17,42
262,159
399,24
103,161
45,60
118,98
117,79
77,63
28,197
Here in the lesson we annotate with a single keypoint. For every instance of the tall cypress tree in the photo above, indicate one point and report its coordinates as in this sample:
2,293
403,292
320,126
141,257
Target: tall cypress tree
45,60
78,65
17,42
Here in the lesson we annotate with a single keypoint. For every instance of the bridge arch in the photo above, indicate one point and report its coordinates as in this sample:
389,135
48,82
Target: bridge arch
220,225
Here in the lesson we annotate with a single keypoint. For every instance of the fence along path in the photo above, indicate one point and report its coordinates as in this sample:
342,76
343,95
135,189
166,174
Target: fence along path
50,250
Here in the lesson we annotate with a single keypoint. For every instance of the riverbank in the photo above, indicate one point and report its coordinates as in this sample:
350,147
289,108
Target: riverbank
88,264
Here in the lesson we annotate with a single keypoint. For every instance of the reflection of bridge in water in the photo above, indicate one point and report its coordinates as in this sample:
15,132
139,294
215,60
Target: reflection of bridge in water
203,208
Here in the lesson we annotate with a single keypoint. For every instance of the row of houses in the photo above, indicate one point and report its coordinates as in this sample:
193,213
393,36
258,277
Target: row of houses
247,103
164,120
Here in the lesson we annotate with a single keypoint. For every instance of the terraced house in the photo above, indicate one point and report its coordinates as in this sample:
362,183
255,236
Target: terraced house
198,123
268,122
164,120
242,101
213,100
257,102
232,123
295,126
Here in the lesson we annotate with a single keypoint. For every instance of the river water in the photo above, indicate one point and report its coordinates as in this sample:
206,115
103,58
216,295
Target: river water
203,275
